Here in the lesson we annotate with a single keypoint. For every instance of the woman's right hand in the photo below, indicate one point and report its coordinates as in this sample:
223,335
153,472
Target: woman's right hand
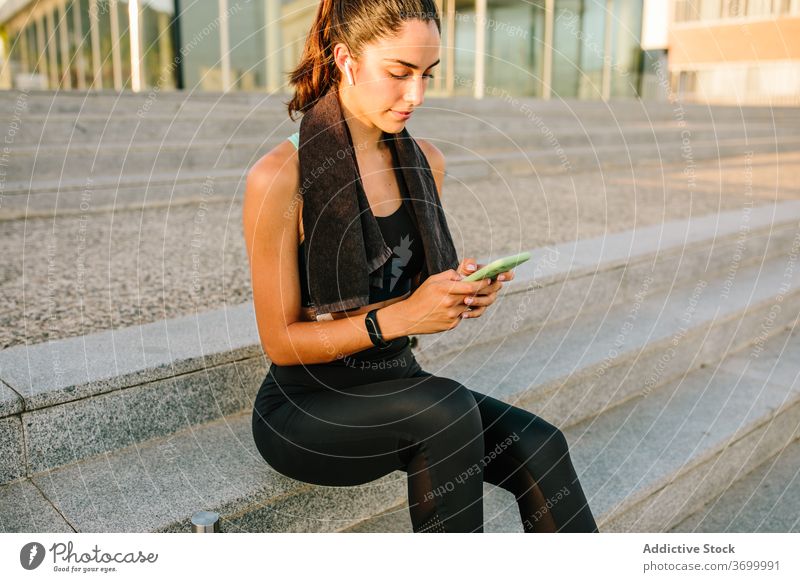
437,304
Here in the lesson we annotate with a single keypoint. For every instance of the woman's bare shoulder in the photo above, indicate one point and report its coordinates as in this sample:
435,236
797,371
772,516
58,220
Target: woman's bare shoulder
272,191
280,167
432,153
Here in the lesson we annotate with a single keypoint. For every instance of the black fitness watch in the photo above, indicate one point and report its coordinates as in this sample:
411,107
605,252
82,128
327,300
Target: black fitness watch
374,330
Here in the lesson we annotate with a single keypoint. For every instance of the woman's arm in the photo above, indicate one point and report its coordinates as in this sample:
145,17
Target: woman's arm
319,342
437,163
270,217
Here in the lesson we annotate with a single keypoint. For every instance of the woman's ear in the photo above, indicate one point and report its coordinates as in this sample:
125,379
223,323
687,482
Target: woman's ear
343,61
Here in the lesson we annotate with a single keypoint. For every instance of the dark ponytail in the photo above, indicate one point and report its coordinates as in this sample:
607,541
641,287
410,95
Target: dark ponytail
355,23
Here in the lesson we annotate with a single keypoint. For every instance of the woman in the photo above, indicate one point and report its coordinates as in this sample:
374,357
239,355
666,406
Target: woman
345,401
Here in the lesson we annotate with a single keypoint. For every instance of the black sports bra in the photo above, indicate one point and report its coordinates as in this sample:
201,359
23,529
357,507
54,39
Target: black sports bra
408,255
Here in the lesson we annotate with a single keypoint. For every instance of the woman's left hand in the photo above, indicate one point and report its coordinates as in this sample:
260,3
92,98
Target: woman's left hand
487,295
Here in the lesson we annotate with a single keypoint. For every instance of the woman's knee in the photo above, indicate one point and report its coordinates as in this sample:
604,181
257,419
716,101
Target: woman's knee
445,404
541,438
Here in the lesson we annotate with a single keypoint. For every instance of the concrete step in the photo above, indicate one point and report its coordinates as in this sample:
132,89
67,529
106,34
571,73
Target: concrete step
81,195
129,186
578,367
74,101
497,156
67,400
567,281
76,381
156,487
23,509
129,103
142,266
268,122
644,465
60,132
648,464
766,500
114,405
208,120
109,194
564,160
34,163
574,308
69,129
667,453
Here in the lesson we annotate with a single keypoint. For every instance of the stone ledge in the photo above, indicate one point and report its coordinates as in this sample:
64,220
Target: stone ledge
557,281
25,510
66,370
650,463
764,500
74,368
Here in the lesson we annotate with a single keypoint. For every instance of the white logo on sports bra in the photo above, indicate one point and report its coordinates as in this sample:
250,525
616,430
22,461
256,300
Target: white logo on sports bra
403,253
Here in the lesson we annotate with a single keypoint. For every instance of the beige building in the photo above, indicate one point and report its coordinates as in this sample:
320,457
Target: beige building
735,51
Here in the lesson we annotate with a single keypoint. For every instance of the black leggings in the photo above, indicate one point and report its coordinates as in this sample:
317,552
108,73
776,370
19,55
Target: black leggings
359,418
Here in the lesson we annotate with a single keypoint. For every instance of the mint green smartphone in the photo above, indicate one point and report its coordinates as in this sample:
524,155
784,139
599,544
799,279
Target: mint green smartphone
494,268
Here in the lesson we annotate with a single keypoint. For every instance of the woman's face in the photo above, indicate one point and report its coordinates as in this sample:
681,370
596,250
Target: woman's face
383,85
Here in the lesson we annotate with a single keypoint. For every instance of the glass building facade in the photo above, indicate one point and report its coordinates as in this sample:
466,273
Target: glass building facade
91,44
586,49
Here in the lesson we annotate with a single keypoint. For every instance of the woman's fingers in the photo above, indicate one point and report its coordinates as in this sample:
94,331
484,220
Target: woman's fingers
480,299
473,312
468,266
505,276
489,289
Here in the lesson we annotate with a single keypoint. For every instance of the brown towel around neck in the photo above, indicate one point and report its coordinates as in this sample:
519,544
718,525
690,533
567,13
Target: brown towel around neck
344,247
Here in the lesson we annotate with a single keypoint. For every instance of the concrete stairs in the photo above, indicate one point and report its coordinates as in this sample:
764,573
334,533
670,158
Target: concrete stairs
668,355
660,352
139,150
765,500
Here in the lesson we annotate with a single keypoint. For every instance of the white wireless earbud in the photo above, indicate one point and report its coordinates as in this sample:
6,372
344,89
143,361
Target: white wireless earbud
349,72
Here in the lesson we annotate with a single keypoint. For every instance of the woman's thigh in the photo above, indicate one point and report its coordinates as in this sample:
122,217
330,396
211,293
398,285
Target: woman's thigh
358,434
512,437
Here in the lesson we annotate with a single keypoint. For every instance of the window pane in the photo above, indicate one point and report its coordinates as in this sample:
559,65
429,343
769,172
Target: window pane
106,58
157,46
464,66
124,42
72,47
515,52
14,56
735,7
48,47
246,23
199,26
626,48
86,43
710,9
759,7
58,22
578,42
33,54
295,17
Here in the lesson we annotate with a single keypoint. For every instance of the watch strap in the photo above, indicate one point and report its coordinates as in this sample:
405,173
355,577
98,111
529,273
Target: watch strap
374,329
